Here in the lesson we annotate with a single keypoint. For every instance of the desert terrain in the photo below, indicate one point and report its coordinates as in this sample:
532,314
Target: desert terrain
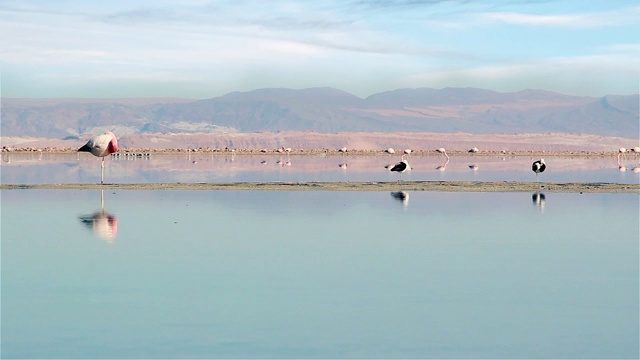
354,142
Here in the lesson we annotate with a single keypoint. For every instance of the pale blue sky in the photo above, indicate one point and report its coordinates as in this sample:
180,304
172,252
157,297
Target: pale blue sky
207,48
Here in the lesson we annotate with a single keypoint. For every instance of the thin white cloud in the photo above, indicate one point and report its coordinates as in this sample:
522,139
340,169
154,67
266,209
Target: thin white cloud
575,20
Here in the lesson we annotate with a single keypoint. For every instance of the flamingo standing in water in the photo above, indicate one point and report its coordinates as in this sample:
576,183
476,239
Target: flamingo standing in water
538,166
443,152
621,153
101,146
400,167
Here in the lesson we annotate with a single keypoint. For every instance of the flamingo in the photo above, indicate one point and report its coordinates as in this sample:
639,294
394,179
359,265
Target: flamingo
538,166
400,167
443,151
407,152
343,149
635,149
101,146
621,152
473,150
390,151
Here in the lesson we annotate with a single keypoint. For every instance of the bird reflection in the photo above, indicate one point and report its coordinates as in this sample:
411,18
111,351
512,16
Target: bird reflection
538,200
443,167
401,196
103,224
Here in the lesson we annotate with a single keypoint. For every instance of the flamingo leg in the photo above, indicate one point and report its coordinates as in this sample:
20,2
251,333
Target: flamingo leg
102,172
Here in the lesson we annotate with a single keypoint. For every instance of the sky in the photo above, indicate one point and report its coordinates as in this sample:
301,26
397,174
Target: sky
208,48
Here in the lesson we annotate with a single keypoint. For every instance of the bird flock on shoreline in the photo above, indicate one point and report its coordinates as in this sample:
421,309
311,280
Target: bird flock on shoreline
107,144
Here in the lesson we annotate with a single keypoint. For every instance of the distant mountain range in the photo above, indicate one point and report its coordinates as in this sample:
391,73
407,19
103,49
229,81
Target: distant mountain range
328,110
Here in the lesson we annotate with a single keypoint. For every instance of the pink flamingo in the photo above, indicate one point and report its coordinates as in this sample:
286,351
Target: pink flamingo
621,152
443,152
101,146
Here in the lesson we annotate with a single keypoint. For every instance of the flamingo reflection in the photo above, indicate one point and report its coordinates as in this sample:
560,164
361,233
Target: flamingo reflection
103,224
538,200
443,167
402,196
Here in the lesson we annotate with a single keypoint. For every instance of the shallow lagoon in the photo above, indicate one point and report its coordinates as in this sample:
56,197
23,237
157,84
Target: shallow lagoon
258,274
85,168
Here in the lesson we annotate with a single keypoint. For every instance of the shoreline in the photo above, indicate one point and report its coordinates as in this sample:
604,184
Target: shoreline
317,152
444,186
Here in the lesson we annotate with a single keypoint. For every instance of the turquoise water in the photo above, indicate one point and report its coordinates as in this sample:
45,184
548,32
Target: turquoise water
257,274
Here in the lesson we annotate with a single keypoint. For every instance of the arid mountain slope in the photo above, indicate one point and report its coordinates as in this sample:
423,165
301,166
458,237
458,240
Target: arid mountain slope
327,110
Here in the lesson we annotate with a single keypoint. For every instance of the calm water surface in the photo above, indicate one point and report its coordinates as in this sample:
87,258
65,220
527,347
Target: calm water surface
84,168
254,274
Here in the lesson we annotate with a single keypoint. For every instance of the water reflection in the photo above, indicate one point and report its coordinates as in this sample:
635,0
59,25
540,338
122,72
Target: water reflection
103,224
401,196
271,282
198,167
443,167
539,200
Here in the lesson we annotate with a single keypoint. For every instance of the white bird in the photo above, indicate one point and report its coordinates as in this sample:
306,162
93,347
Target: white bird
390,151
635,149
343,149
101,146
473,150
538,166
621,152
407,152
442,151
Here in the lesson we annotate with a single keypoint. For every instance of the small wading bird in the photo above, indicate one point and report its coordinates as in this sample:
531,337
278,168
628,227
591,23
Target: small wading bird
538,166
101,146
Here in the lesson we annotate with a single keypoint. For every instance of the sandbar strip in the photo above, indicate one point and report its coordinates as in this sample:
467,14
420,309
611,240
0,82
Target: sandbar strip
453,186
